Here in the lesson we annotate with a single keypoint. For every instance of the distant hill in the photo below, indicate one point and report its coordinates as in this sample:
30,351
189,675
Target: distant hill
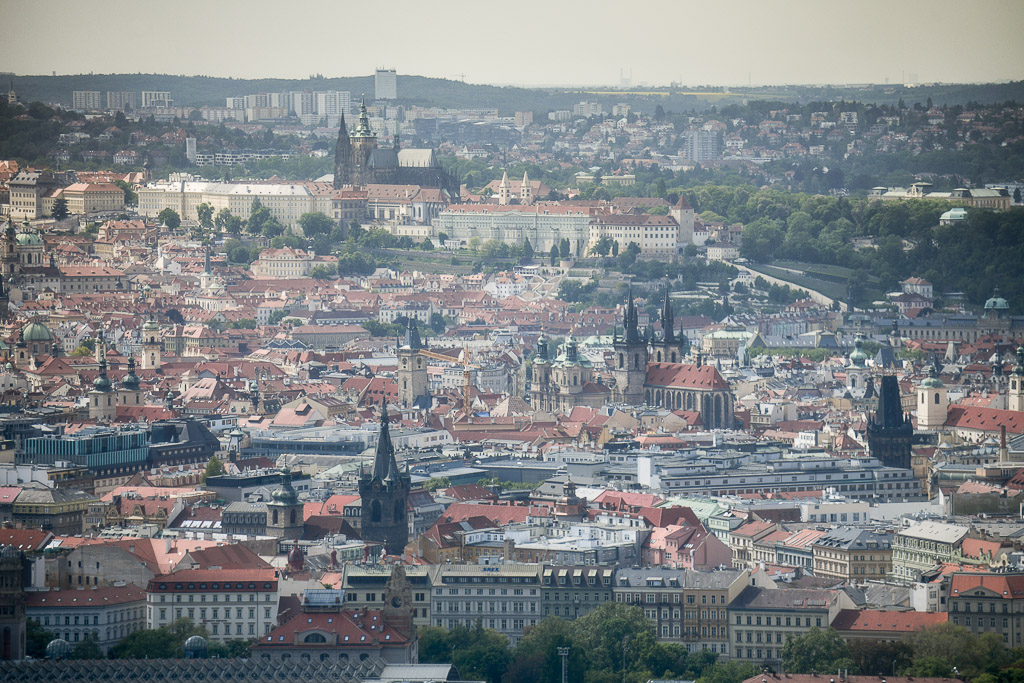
204,90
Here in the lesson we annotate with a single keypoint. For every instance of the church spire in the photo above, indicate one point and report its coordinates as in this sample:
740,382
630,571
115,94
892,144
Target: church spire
363,129
632,320
667,317
384,465
342,156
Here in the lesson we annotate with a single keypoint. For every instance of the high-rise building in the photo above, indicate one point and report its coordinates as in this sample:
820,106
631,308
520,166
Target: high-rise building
190,150
333,104
156,98
85,100
121,100
385,84
700,145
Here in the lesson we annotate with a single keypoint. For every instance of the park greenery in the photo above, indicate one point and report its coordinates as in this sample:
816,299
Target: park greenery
616,642
166,642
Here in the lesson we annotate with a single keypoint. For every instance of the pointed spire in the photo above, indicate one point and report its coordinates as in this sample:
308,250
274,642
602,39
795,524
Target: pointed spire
384,465
206,262
363,129
667,316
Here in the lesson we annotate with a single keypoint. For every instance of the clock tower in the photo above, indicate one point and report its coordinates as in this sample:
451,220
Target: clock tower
385,495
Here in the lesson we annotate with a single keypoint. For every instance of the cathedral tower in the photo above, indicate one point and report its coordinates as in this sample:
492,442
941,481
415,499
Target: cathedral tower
363,142
630,358
672,346
385,495
342,155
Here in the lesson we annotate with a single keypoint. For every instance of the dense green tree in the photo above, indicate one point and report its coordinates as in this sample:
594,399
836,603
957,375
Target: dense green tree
730,671
214,468
602,247
322,272
170,218
527,251
316,223
816,650
478,653
36,639
536,656
427,245
60,209
938,649
131,197
435,483
553,254
87,649
166,642
205,213
564,250
880,657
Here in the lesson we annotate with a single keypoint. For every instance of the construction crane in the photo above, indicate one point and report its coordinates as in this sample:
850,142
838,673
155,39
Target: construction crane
467,374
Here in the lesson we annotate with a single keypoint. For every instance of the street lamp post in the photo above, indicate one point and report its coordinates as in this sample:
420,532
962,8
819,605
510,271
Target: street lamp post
563,652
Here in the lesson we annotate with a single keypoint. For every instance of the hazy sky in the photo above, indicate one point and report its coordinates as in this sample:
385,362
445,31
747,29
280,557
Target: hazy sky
527,42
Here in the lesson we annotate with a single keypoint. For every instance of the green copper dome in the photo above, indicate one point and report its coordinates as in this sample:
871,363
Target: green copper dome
858,358
36,332
996,302
26,238
102,383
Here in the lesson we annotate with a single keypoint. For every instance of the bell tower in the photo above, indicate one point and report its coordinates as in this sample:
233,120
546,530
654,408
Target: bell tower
412,370
284,512
151,345
1015,394
932,401
631,356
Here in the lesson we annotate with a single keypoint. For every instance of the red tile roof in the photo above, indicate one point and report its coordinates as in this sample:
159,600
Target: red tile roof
886,620
88,597
683,375
1007,585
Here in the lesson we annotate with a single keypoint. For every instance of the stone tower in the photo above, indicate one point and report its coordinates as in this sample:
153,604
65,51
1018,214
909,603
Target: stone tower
630,358
130,393
342,155
857,373
1015,394
412,370
890,433
363,142
672,346
102,398
540,378
12,596
397,612
385,495
932,401
151,345
525,191
284,512
504,191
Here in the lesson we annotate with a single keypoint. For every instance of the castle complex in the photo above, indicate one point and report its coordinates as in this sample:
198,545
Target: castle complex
358,161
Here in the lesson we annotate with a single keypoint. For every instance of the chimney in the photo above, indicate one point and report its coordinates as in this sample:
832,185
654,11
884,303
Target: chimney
1004,451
